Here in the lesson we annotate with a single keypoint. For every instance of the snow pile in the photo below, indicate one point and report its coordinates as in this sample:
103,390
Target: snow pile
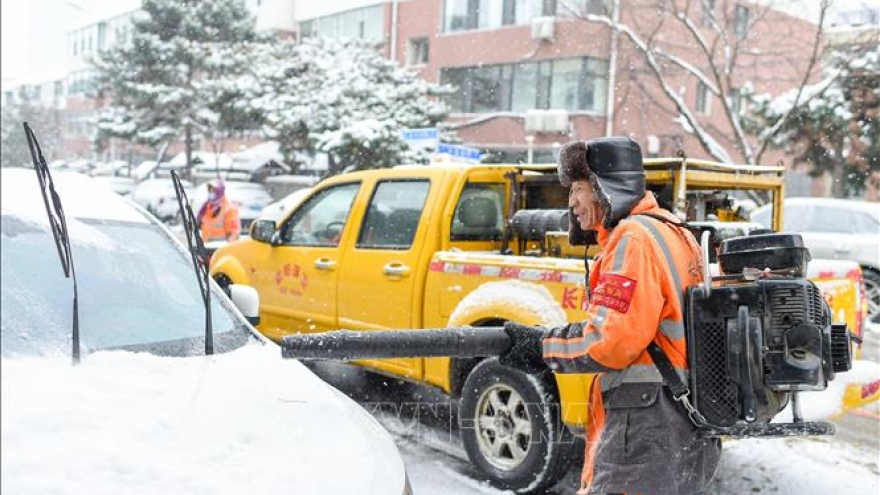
244,422
526,297
796,466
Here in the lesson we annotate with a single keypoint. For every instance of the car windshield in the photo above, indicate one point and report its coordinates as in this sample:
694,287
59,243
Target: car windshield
137,291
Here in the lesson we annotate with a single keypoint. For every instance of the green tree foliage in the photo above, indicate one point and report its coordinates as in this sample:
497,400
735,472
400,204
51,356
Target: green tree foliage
342,98
172,81
46,123
837,130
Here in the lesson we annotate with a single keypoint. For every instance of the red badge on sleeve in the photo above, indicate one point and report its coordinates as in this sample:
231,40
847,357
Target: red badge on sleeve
614,291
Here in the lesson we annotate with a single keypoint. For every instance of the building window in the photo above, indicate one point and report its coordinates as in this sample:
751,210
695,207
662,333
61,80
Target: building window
597,7
704,99
525,81
102,35
306,29
741,21
486,89
734,98
364,23
708,13
417,51
571,84
463,15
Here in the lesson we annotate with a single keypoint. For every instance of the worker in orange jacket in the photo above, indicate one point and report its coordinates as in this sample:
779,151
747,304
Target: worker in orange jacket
639,439
218,218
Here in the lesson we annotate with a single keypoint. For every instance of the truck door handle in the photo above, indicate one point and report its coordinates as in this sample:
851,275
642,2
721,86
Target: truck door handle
325,264
396,269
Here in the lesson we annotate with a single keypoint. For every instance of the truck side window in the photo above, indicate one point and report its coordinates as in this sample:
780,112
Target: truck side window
321,221
478,215
392,217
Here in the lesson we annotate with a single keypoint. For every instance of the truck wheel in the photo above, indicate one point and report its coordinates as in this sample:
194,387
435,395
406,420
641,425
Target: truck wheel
871,279
223,281
511,427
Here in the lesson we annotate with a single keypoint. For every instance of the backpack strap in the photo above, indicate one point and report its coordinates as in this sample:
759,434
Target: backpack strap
671,379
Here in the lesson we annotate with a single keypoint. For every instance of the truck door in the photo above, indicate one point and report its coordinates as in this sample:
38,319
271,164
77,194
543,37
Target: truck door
380,274
300,275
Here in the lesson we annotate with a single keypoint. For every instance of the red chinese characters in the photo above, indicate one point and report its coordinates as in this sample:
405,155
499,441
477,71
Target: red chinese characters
614,292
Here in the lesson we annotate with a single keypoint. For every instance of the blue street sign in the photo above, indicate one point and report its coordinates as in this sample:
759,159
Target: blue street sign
421,134
461,152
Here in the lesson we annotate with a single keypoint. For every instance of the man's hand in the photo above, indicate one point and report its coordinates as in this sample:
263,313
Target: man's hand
525,349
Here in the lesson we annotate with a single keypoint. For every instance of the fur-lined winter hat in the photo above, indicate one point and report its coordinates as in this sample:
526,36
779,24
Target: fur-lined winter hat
613,165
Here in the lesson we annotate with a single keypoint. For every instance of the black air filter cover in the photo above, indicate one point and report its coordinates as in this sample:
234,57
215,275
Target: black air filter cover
773,251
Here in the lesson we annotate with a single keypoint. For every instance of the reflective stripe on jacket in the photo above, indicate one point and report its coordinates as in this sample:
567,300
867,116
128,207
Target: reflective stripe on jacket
635,298
639,440
224,225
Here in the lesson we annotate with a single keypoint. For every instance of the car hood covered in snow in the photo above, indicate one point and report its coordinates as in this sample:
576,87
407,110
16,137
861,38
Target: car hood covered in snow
243,422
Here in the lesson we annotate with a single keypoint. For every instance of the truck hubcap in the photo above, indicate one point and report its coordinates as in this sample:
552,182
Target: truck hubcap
504,428
872,291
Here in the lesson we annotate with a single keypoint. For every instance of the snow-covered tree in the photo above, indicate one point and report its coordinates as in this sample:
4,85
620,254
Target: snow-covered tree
726,45
343,98
837,129
173,80
46,123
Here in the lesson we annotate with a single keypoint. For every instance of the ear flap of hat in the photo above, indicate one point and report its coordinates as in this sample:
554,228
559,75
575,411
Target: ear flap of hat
572,164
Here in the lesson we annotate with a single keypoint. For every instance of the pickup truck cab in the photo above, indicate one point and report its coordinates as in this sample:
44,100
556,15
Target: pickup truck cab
463,244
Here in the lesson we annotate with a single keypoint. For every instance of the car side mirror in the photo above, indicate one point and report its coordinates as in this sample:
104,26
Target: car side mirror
263,230
247,300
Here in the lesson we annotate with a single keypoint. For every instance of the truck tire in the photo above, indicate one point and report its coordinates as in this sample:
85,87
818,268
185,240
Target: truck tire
871,279
511,427
223,280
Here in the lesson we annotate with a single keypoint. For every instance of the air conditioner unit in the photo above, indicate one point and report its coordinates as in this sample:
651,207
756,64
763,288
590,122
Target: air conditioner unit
546,121
555,121
543,27
534,121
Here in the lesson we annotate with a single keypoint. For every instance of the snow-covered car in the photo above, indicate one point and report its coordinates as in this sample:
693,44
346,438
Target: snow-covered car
146,410
157,196
120,185
838,229
278,210
249,197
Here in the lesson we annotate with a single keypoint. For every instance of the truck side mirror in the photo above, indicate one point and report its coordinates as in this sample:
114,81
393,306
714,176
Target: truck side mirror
263,230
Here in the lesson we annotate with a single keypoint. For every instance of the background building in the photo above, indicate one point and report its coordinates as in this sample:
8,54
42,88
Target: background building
530,76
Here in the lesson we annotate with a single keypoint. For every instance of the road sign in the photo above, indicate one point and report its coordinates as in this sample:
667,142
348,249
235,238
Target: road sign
425,137
459,152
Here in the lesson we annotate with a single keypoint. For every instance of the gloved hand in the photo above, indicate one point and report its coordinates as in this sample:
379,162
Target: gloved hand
525,351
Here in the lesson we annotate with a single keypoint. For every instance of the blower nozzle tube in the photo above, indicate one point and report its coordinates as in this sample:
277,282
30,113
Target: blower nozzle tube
344,345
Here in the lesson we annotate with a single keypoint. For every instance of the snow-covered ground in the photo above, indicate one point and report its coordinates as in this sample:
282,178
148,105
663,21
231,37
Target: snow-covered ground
848,462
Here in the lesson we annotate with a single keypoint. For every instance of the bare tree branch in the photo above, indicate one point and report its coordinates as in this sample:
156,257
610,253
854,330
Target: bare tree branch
708,142
814,57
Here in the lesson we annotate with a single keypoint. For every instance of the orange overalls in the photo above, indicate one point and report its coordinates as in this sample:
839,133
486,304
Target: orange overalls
636,432
220,222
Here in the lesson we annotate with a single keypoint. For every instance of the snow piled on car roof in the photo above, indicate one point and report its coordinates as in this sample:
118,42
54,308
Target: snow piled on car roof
81,197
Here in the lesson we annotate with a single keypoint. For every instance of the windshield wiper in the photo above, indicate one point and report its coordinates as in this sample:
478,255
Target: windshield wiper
197,253
59,228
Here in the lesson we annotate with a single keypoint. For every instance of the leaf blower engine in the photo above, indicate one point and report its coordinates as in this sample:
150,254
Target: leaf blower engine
757,335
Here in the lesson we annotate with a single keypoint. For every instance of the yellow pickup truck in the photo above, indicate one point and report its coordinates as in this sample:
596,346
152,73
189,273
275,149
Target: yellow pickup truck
456,244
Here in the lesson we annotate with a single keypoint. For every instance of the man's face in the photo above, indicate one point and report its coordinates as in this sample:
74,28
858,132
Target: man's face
586,208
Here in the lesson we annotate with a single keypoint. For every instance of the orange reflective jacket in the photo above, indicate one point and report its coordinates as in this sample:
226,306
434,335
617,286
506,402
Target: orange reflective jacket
636,297
633,295
220,222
